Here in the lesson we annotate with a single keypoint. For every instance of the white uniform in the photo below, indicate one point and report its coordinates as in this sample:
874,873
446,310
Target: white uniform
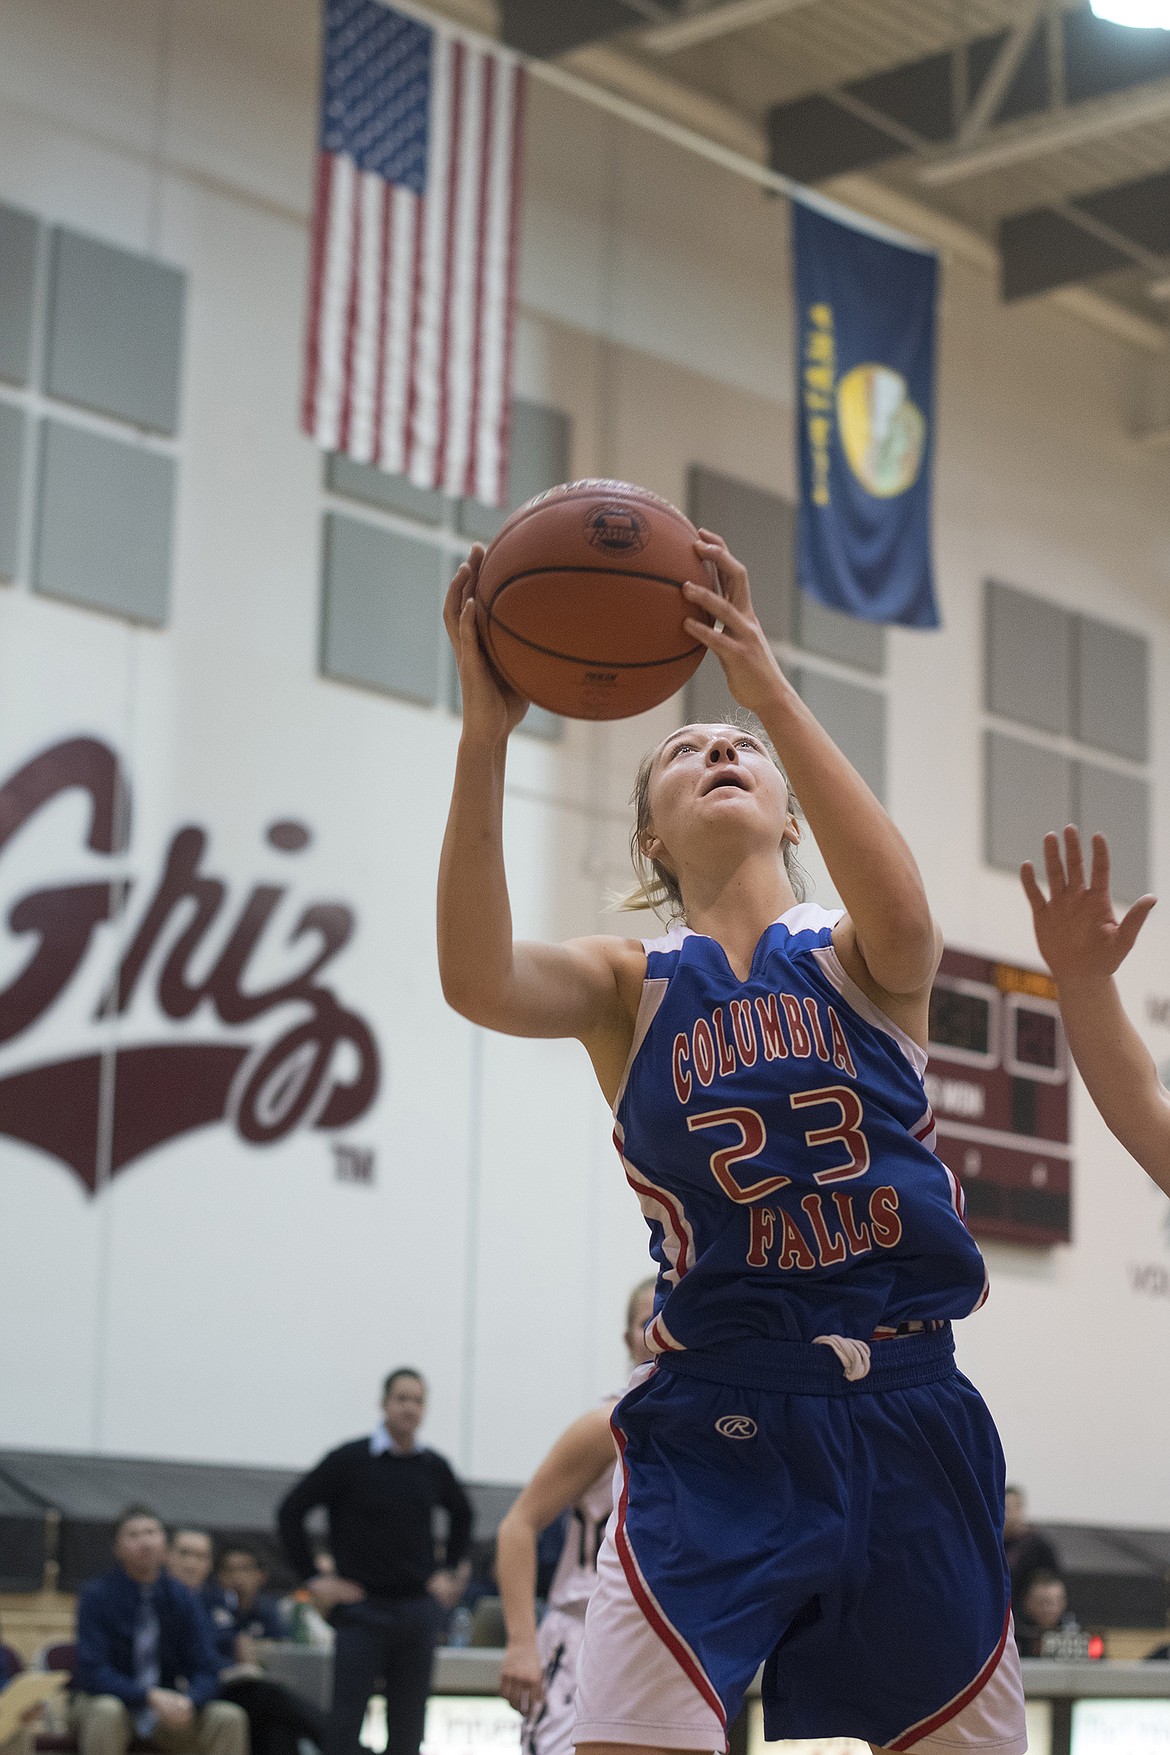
558,1638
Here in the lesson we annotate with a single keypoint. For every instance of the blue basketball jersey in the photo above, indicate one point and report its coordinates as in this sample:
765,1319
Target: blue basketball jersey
778,1137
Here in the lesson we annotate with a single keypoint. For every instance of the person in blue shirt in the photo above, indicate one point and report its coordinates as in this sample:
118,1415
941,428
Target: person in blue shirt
240,1614
147,1667
241,1609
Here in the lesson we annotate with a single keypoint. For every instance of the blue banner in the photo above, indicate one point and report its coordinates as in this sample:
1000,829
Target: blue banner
865,400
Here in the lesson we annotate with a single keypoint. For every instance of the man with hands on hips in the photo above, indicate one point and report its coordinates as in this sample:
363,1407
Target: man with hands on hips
388,1597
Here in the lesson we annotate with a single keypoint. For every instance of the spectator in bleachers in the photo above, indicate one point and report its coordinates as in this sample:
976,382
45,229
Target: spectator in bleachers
242,1610
1028,1552
189,1558
390,1593
240,1614
1043,1610
146,1663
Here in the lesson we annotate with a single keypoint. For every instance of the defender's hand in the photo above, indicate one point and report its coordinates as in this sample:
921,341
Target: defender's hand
740,645
491,710
522,1678
1077,930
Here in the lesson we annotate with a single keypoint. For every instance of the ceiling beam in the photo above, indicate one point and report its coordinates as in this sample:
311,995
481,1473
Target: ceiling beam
694,113
1001,72
716,21
1059,129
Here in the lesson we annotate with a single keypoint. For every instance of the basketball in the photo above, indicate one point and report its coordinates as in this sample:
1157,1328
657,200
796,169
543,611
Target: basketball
580,600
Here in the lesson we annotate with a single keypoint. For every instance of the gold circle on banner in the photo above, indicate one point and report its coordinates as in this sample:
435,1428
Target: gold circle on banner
883,432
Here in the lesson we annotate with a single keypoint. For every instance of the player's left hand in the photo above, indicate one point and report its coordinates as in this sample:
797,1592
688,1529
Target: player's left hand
740,645
1077,930
522,1678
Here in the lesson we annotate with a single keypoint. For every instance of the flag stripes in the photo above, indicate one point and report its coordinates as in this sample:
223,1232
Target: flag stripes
408,354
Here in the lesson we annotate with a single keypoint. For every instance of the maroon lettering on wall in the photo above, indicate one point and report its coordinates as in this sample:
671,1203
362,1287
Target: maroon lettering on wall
99,1111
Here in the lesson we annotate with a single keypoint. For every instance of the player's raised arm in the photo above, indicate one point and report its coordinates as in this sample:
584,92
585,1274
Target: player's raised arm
523,989
889,919
1083,943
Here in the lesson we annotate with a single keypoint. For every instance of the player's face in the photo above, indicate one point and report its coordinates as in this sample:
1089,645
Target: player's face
715,779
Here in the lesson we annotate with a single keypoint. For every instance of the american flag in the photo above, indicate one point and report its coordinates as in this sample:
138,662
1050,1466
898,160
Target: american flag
413,269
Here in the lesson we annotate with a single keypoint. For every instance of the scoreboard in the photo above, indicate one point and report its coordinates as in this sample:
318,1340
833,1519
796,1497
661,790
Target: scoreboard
998,1082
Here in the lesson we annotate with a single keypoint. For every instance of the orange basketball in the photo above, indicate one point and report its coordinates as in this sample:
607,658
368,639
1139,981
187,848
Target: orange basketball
580,603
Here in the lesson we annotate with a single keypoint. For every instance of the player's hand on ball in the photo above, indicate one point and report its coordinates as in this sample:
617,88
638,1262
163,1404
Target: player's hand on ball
1077,930
740,645
491,710
522,1678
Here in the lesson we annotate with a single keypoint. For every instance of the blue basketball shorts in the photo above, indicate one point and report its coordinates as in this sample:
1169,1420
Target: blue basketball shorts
843,1532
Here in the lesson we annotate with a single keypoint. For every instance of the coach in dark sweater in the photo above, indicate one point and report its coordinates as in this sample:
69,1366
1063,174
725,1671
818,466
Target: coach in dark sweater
387,1600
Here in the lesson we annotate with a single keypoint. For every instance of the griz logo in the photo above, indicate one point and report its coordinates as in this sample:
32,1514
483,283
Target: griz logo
99,1111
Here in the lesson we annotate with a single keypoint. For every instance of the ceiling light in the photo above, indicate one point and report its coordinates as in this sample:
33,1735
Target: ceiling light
1147,14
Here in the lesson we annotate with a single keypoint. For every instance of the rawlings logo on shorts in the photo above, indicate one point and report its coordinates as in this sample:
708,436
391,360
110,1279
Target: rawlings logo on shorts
736,1426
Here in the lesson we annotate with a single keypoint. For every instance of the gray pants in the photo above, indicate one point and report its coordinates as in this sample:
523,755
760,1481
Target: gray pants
104,1727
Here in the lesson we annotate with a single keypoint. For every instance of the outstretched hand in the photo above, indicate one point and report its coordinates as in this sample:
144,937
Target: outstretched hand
740,645
491,710
1077,930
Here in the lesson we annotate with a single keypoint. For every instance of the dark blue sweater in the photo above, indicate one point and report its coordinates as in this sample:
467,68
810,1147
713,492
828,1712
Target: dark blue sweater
107,1613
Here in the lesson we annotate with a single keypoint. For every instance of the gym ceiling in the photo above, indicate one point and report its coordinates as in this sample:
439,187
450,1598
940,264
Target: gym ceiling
1027,128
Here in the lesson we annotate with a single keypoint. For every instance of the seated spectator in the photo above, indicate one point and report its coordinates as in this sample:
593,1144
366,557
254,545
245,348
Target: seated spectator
1027,1551
240,1614
146,1664
1044,1610
189,1558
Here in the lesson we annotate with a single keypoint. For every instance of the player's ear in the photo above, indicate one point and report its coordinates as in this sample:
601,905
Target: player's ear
792,830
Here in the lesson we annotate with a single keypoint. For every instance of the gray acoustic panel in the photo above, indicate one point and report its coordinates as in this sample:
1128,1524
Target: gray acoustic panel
1118,807
375,487
539,452
537,722
104,516
834,635
19,239
115,331
13,428
381,620
854,717
760,529
1111,697
1027,791
1028,655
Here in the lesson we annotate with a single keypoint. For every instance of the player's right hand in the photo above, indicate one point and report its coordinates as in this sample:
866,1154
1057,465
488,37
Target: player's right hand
522,1678
1077,930
491,710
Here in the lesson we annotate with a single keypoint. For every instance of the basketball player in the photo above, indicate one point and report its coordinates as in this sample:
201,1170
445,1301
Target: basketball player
807,1481
1083,943
538,1675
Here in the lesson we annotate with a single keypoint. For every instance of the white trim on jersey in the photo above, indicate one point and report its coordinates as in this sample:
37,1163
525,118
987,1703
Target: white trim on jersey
653,994
833,970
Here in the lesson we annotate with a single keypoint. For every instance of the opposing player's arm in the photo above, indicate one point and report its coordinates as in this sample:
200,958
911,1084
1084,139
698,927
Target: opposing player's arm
573,1464
1083,943
583,988
891,939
